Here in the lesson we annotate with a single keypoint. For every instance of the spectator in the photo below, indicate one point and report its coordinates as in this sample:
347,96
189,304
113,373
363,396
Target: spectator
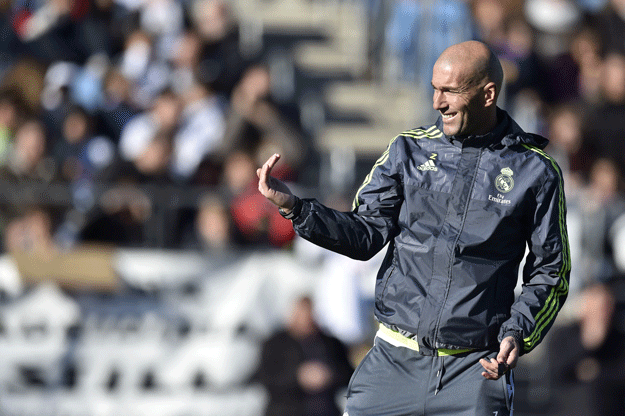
303,368
163,21
140,64
120,218
55,100
47,29
87,84
151,166
30,232
104,27
12,112
221,64
419,31
79,154
603,205
185,61
604,129
566,145
253,111
586,359
555,22
200,132
611,26
143,127
490,18
25,79
212,227
117,108
28,159
586,50
519,60
255,221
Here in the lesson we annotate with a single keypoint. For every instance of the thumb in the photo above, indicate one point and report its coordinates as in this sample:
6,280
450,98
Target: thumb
507,352
504,353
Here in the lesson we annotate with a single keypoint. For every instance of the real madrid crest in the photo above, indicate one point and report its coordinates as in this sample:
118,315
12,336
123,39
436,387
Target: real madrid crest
504,182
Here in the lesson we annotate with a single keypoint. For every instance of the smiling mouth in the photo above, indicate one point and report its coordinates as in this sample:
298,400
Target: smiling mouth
448,116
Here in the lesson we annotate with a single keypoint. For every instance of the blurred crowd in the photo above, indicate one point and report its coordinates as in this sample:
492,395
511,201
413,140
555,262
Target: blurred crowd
112,97
130,103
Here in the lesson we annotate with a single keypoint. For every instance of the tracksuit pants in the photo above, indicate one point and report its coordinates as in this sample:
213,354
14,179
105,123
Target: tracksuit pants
394,380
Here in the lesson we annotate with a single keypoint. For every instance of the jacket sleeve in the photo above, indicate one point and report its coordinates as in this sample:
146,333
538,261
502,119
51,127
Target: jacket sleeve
364,231
546,272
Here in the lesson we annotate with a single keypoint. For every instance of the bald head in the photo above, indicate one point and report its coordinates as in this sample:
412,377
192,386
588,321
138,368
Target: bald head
474,61
467,79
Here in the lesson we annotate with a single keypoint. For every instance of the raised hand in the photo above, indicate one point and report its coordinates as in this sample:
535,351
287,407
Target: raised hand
273,189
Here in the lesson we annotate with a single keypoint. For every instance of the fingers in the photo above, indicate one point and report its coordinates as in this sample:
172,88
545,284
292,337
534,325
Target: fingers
270,163
505,361
264,173
492,368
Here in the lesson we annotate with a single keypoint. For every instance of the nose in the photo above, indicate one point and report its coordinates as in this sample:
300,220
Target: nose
438,100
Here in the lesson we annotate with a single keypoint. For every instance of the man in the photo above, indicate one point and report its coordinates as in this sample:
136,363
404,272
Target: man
302,368
458,202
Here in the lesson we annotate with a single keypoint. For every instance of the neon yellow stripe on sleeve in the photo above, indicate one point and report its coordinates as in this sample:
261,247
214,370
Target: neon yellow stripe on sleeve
552,305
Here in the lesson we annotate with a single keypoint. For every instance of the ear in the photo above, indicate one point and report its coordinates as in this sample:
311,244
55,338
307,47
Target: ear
490,94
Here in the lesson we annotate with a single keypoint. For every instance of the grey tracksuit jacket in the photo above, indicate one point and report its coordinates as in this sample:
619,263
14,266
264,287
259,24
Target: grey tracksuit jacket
458,217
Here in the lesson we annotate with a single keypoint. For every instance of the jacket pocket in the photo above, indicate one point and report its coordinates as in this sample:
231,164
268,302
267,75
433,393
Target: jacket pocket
382,286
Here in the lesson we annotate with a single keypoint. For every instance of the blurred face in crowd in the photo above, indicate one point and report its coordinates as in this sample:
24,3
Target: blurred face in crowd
463,94
76,126
565,130
188,50
213,223
166,110
211,18
31,232
604,179
489,16
117,87
30,145
256,82
614,78
8,113
154,159
301,321
136,55
239,172
586,47
520,37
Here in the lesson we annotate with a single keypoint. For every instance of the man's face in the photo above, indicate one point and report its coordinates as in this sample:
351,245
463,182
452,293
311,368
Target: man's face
460,101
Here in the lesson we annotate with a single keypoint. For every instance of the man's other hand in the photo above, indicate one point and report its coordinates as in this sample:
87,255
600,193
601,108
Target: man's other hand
506,359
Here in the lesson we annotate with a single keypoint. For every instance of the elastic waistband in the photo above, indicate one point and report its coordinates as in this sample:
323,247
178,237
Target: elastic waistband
398,340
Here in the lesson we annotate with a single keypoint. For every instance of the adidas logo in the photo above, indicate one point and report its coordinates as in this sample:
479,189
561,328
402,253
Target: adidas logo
429,165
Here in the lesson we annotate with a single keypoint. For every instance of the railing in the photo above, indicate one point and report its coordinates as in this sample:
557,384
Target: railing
85,198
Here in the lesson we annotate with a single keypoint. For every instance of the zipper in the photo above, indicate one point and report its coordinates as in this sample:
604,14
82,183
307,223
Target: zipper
453,257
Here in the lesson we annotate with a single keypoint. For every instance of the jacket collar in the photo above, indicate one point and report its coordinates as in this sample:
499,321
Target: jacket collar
507,132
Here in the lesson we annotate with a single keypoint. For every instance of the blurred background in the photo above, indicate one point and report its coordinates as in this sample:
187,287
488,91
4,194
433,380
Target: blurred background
141,273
